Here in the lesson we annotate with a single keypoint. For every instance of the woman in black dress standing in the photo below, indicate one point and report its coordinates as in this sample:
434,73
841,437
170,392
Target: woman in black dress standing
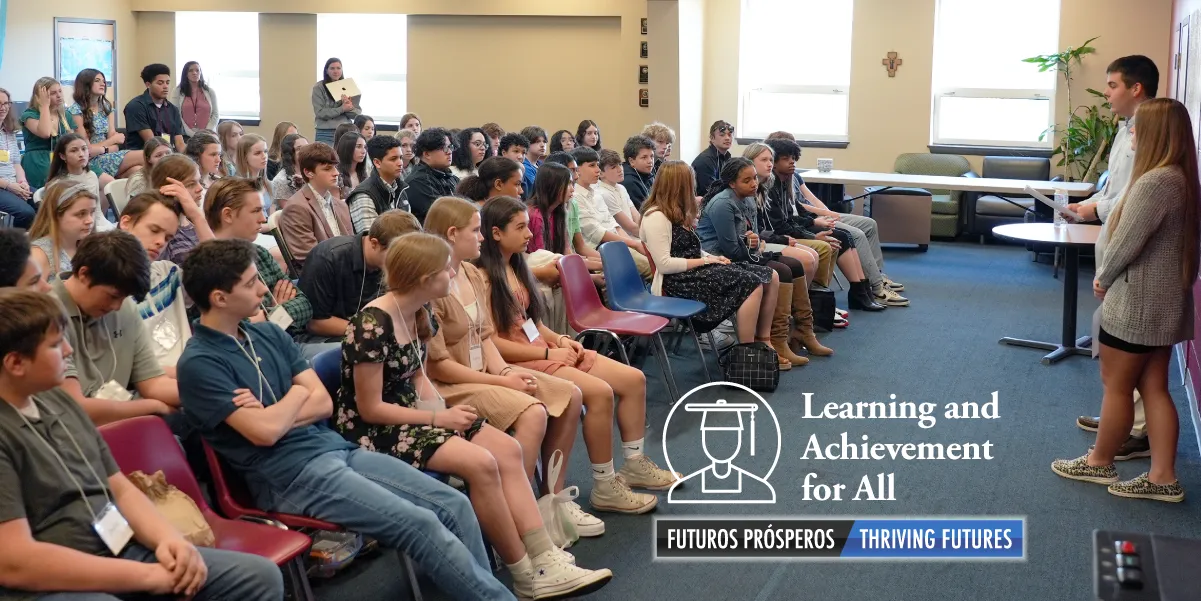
685,271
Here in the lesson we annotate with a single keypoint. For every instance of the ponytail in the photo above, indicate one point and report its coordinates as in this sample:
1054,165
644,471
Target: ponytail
472,188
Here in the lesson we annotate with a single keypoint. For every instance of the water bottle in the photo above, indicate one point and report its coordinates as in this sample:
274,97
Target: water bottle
1061,199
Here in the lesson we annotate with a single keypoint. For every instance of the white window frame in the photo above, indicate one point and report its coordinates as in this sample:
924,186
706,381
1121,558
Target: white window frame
361,75
255,74
745,90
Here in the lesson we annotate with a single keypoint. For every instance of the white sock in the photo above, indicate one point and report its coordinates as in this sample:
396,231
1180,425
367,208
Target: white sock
521,566
603,471
632,448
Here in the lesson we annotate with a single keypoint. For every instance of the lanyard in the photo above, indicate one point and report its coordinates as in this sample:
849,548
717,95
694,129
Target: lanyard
75,481
477,322
251,357
415,341
83,335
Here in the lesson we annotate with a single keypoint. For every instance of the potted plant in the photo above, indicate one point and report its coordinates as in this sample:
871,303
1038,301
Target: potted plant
1085,138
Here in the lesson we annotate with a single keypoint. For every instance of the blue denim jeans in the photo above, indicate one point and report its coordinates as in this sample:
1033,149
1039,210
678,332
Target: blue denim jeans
232,577
21,211
394,503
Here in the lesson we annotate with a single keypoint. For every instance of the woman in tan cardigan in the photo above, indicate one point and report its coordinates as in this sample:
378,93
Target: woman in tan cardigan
1146,285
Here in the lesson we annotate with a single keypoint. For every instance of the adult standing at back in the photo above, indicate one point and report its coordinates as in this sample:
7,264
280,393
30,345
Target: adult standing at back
330,112
1130,81
151,115
197,102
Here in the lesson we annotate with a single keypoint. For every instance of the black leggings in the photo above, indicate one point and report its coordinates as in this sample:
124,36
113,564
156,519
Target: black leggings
844,240
788,269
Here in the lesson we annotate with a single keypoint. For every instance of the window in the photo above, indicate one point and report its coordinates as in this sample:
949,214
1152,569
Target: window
230,67
984,95
795,68
378,62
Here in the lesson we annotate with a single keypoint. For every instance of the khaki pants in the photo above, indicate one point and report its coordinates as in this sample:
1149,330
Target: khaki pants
643,264
825,261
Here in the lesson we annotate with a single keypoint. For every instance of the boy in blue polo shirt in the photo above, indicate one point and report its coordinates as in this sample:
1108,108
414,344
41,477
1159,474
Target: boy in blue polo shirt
249,391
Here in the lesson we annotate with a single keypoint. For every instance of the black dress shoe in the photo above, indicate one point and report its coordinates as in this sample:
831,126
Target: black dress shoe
860,298
1088,423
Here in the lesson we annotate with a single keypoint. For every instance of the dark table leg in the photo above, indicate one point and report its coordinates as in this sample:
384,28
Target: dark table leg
1069,345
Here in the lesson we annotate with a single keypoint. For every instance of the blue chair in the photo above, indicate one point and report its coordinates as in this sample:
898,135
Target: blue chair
626,292
328,365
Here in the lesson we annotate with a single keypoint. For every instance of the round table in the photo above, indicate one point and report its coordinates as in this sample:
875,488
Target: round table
1071,238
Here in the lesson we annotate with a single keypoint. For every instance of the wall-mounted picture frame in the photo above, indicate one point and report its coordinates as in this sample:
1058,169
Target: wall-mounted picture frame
644,75
642,53
644,97
643,26
86,44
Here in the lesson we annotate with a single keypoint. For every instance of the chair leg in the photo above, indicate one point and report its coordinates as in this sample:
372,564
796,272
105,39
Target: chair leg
665,367
406,563
701,352
1055,267
679,334
838,280
297,580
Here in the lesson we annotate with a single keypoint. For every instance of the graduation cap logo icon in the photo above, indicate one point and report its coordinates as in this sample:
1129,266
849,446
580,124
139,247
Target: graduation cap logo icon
726,428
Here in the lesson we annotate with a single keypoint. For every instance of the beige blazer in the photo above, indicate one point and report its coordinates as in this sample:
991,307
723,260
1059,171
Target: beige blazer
303,222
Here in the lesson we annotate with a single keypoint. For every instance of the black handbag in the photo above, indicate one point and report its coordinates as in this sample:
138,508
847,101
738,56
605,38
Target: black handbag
822,300
754,365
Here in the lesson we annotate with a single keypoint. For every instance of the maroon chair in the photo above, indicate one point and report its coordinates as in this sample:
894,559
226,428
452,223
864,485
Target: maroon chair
146,444
587,315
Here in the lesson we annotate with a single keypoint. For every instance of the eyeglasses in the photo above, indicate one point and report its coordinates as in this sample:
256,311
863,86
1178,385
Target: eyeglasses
725,129
479,144
448,149
6,104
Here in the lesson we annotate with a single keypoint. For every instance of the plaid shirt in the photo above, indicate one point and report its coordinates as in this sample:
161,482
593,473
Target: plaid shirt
298,308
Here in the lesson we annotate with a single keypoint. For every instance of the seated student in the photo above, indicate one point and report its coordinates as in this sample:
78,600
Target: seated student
251,163
727,228
230,133
708,164
562,141
549,212
283,129
467,368
18,269
613,196
153,219
663,137
471,148
513,146
609,388
587,133
407,140
151,115
65,217
575,234
15,192
639,154
70,164
232,211
57,473
685,270
365,125
862,230
535,151
351,150
411,122
93,118
431,179
287,181
178,177
387,402
154,151
113,350
342,274
340,131
381,191
254,399
316,212
494,132
204,150
497,176
597,226
43,122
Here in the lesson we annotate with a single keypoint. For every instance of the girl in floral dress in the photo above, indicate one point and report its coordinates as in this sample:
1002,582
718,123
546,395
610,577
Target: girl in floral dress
92,117
387,404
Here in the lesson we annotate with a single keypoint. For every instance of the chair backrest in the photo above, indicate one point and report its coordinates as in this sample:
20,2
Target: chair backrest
924,163
1035,168
117,192
146,444
229,490
37,196
284,251
328,365
579,293
6,220
649,259
622,280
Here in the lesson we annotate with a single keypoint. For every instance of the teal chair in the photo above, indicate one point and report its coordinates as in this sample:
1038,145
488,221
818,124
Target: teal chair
945,206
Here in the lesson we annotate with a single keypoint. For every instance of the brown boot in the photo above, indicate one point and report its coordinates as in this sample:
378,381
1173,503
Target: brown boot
779,329
781,362
802,313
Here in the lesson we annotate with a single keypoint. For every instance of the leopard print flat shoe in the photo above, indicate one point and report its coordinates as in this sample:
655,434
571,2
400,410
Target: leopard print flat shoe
1079,469
1143,488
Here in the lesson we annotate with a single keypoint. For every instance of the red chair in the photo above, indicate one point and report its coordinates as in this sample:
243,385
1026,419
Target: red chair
146,444
587,315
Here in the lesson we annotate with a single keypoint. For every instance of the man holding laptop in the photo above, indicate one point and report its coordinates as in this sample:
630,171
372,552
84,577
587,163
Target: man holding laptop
1130,81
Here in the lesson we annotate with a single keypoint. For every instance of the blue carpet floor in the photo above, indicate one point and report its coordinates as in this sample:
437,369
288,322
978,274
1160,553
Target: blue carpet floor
942,349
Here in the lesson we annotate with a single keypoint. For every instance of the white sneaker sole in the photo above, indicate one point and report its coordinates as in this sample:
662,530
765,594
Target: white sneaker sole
590,531
1093,479
1165,498
591,583
626,510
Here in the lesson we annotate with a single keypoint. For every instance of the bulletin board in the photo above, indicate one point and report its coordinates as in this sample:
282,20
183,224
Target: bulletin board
85,44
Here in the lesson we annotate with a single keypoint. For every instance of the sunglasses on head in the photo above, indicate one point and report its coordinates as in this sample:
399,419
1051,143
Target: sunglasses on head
724,129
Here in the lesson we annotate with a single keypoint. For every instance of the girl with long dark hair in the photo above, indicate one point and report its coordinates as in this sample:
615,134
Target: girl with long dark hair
352,161
94,120
588,134
330,112
471,148
496,176
197,101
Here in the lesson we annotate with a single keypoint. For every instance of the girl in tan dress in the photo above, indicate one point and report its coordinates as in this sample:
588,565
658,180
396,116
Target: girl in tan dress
467,367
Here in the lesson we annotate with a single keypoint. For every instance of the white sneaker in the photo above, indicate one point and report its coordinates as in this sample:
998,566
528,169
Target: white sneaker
723,340
640,472
549,577
889,283
585,523
615,495
889,296
564,555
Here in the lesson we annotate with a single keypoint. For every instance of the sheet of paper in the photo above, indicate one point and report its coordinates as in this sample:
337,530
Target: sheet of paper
1062,209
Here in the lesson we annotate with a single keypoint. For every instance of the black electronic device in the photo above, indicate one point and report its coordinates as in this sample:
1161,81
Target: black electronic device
1145,567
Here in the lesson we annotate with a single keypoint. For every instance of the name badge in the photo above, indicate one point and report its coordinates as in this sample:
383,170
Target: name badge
531,330
477,357
279,316
166,137
4,156
112,391
51,157
113,529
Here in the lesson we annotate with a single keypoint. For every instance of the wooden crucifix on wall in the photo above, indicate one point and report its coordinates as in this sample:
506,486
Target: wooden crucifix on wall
892,63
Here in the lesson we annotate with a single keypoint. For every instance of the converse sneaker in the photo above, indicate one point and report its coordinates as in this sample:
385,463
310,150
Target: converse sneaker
888,296
586,524
1143,488
615,495
564,555
891,284
640,472
549,577
1079,469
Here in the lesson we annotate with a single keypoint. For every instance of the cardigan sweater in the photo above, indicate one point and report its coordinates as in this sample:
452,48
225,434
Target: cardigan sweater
1145,301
